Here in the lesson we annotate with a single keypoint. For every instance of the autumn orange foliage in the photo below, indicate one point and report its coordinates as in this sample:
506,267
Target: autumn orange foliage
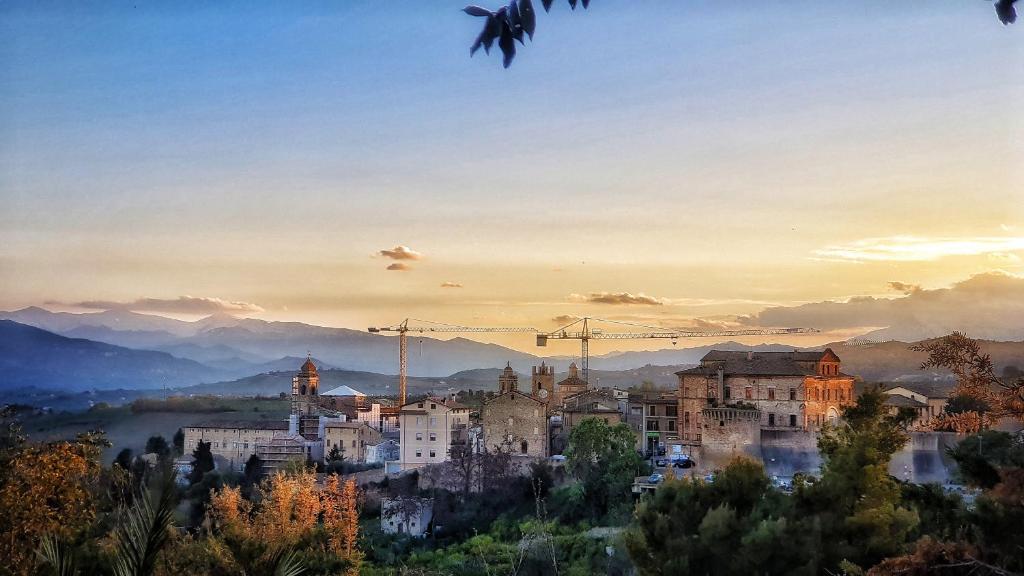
291,509
46,491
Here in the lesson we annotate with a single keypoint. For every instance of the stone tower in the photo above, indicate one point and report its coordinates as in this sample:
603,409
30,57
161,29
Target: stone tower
573,384
508,381
542,385
305,389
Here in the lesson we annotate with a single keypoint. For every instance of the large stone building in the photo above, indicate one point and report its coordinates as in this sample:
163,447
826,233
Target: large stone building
516,421
232,442
774,390
301,436
429,428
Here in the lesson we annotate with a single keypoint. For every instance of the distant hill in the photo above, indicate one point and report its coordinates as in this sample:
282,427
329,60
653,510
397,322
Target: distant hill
30,356
895,362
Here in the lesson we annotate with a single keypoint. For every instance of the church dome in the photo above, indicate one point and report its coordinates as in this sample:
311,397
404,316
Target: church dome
308,367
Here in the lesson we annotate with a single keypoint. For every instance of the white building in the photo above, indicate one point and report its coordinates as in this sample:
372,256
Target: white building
429,428
406,515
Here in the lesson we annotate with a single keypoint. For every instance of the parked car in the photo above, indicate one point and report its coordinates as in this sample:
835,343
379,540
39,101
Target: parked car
661,463
684,463
655,478
557,458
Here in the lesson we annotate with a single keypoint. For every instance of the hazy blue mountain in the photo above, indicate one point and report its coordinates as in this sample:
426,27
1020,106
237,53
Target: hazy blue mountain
30,356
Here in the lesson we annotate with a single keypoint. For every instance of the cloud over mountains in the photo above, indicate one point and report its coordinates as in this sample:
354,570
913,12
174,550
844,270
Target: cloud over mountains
180,305
989,306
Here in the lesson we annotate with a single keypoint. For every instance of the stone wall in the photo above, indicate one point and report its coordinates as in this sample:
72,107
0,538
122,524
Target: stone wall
731,431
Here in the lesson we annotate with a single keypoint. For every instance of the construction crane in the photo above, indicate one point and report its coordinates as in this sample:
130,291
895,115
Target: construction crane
428,327
584,333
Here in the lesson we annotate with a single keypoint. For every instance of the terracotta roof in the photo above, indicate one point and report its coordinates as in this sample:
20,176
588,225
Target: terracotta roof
758,363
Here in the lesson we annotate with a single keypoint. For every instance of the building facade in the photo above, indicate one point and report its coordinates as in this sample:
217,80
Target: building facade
653,416
350,439
589,404
516,421
232,442
788,390
928,400
428,429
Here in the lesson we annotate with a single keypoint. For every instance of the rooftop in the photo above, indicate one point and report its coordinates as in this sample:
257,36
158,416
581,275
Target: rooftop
244,424
794,363
927,389
343,391
903,401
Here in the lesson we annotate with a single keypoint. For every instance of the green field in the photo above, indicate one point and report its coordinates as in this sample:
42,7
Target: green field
128,428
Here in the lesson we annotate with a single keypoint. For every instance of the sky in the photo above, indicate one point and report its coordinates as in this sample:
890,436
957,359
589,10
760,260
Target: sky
699,163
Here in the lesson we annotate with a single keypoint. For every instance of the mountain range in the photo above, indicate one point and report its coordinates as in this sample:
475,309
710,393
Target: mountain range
221,354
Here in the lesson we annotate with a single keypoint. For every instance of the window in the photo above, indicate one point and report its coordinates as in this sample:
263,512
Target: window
433,406
817,393
672,411
419,435
748,393
419,453
652,425
433,437
792,419
652,410
420,405
771,419
433,454
792,393
433,421
419,421
353,443
686,419
771,393
728,392
671,425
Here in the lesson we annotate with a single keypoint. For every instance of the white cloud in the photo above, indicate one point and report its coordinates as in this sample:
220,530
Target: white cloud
914,248
401,253
450,285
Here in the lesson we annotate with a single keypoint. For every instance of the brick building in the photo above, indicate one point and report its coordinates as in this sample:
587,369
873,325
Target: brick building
785,390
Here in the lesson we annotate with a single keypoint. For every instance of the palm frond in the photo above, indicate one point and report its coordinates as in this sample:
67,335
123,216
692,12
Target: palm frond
144,530
58,555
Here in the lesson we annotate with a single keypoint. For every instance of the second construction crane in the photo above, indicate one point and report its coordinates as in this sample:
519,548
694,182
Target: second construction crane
581,330
427,327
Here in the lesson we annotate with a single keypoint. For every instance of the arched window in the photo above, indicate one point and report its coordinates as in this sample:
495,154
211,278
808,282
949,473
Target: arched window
524,447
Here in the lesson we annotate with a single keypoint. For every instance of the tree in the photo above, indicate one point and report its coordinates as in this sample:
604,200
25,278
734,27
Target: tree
158,445
981,457
975,378
202,462
604,460
511,22
179,442
253,469
856,500
124,459
47,490
736,525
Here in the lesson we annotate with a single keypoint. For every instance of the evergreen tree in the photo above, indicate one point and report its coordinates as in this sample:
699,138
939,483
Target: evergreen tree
202,462
158,445
179,442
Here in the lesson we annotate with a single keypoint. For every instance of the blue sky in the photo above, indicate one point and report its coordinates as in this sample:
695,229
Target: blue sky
693,151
